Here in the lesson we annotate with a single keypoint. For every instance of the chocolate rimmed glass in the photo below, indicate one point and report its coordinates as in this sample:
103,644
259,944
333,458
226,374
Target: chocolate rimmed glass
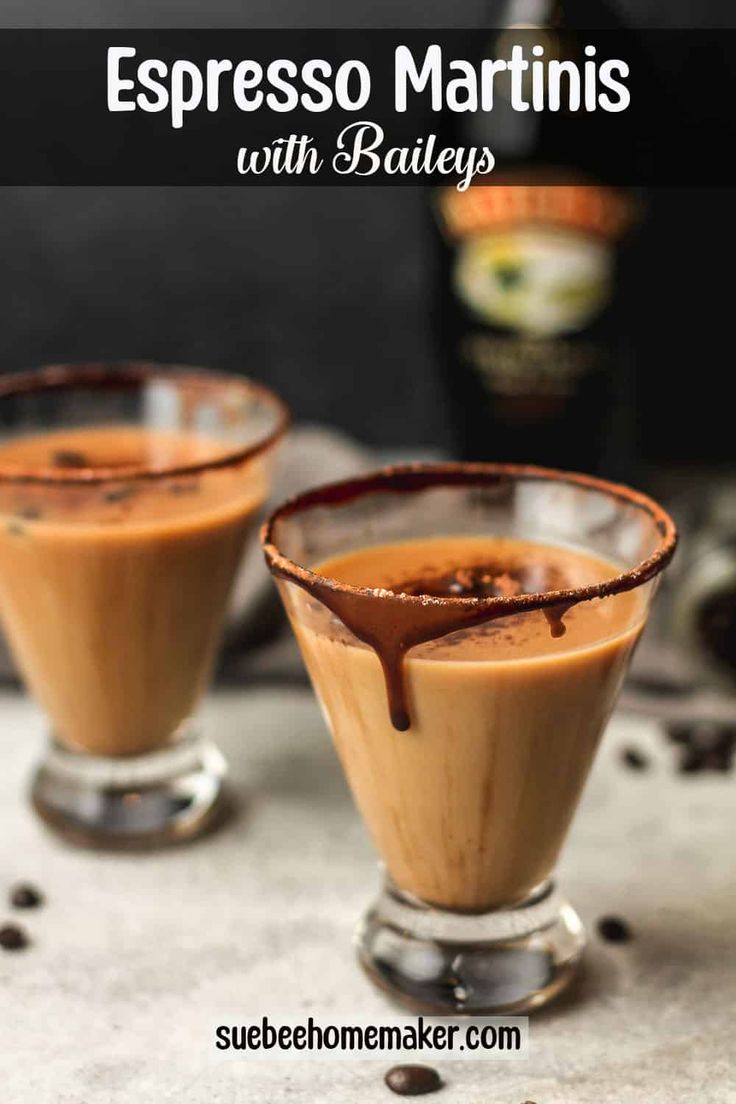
467,628
127,495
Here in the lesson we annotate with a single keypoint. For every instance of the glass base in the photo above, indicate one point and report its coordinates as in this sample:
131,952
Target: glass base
135,802
502,962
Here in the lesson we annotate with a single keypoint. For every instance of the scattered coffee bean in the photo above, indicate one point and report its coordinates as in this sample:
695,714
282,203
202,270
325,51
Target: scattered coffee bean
695,762
15,528
25,896
68,458
634,760
30,513
12,938
614,930
413,1080
704,746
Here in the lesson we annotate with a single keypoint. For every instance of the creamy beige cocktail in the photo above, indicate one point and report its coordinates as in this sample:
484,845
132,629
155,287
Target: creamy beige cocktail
466,629
119,544
469,807
113,599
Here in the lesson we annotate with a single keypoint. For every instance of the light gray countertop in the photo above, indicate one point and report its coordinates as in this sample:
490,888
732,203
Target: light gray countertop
136,958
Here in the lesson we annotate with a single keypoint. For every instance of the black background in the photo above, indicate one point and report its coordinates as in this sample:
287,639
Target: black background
325,293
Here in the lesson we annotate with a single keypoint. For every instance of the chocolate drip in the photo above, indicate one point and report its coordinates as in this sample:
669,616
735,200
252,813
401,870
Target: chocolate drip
554,615
392,622
391,626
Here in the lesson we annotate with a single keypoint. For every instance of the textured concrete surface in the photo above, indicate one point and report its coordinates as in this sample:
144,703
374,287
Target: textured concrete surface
134,959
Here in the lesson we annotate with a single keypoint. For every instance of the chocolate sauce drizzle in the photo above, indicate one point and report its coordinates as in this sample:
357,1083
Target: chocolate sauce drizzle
392,622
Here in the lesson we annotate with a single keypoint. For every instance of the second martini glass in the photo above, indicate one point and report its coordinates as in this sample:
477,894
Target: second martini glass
127,493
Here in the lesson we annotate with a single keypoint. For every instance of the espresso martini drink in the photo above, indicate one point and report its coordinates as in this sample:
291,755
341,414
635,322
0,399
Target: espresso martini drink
470,810
119,544
467,629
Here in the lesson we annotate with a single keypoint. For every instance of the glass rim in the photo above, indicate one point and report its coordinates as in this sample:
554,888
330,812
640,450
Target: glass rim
109,375
423,476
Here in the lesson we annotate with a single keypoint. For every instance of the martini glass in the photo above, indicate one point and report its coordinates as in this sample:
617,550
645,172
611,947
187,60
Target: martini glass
466,703
127,495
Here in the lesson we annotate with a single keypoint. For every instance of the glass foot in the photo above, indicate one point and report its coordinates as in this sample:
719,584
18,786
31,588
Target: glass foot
135,802
503,962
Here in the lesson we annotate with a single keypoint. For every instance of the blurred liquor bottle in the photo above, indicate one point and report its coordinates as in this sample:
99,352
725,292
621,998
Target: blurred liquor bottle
536,355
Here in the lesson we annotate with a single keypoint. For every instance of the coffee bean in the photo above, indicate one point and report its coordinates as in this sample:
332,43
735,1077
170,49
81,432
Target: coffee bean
413,1080
25,896
634,760
614,930
704,746
12,938
678,733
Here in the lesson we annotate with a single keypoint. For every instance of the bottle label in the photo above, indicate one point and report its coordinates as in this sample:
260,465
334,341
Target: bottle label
539,281
534,266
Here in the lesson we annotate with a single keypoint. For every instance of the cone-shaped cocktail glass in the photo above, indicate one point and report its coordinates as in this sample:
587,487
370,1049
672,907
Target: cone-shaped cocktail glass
467,628
127,493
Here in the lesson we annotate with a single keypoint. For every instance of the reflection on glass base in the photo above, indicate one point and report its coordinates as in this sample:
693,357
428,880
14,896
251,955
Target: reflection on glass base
135,802
503,962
